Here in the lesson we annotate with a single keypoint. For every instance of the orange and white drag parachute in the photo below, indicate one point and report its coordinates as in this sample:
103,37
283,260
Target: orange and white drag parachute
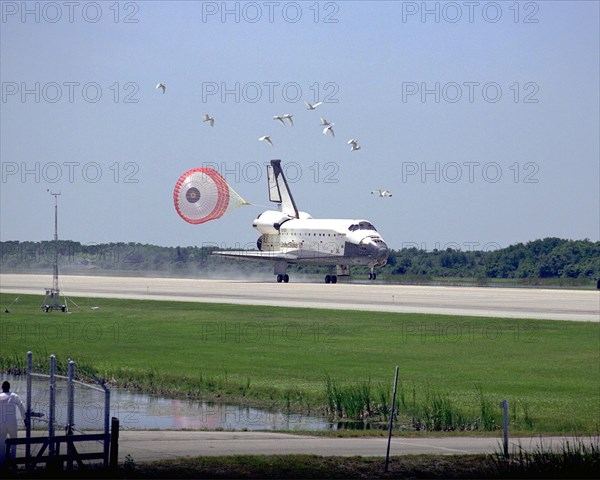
202,194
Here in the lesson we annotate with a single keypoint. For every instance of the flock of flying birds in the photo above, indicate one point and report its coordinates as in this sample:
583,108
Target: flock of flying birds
327,129
327,126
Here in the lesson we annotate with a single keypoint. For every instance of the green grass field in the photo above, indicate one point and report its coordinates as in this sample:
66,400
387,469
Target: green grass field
547,370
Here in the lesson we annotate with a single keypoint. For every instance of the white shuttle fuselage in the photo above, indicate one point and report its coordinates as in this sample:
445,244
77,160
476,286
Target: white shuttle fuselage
288,236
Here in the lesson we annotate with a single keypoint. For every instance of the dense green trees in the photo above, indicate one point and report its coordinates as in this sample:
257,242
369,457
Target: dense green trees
539,259
547,258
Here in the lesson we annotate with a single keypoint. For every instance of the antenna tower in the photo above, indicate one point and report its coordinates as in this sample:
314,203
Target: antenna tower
52,300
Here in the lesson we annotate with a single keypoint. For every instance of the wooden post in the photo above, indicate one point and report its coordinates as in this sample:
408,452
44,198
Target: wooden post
114,445
107,444
387,456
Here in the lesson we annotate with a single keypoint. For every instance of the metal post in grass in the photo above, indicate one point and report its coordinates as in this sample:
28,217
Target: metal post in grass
51,413
387,455
70,411
106,420
28,411
504,405
70,397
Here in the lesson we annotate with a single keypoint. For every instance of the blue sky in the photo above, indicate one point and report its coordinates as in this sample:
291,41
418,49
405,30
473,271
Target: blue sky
483,120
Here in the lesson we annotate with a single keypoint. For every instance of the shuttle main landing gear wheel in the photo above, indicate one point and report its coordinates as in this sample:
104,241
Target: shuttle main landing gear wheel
331,279
372,276
285,278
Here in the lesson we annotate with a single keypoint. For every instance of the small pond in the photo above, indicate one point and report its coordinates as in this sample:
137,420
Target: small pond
140,411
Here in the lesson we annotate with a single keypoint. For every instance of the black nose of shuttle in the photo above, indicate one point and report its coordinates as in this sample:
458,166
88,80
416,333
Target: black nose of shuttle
381,253
377,250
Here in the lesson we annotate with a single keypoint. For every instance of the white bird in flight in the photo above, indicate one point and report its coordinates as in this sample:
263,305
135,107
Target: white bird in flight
280,118
312,107
267,139
328,129
162,85
209,119
382,193
289,117
324,122
354,143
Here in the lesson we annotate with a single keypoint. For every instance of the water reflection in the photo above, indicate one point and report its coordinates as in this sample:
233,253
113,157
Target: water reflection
147,412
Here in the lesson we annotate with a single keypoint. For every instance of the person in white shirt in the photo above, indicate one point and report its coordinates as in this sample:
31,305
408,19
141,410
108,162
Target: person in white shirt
9,402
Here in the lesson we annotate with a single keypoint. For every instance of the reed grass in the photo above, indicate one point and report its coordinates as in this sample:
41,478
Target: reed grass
571,459
428,410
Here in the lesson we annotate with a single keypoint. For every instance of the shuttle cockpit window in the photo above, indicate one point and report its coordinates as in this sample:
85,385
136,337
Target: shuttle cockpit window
362,226
367,226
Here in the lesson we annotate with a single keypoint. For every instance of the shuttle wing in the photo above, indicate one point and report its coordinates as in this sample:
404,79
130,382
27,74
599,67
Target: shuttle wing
258,255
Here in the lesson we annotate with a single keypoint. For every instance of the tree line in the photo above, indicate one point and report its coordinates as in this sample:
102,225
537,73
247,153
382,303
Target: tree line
548,258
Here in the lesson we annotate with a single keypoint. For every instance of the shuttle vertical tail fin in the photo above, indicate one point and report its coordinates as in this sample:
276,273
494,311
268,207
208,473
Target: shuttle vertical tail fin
279,191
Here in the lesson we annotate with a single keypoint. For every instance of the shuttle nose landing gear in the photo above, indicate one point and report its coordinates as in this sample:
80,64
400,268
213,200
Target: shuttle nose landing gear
285,278
331,279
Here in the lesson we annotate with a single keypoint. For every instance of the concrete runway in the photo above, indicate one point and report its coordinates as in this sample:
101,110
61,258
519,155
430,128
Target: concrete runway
550,304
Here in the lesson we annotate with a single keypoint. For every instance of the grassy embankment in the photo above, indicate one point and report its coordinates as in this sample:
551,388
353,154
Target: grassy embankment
454,370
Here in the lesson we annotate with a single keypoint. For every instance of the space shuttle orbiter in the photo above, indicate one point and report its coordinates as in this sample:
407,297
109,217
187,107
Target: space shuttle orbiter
289,236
